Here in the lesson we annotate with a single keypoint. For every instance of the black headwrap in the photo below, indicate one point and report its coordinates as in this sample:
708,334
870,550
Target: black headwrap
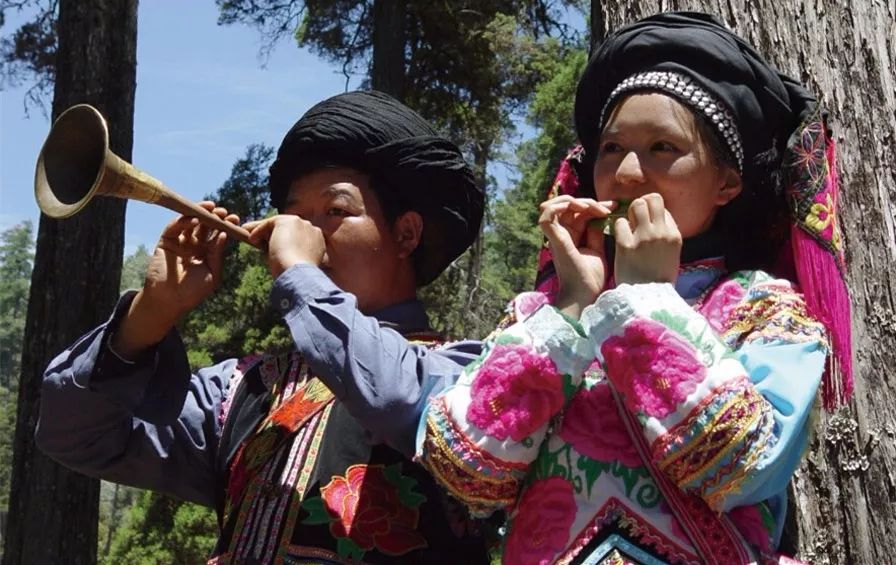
766,105
411,166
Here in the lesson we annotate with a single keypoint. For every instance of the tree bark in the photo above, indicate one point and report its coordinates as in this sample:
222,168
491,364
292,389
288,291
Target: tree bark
844,495
388,72
74,284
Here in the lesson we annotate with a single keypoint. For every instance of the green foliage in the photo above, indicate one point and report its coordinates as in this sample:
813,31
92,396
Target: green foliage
462,305
133,269
245,193
7,431
158,529
513,241
115,500
16,260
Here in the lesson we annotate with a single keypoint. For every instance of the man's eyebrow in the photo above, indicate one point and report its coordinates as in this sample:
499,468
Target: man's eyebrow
339,191
330,192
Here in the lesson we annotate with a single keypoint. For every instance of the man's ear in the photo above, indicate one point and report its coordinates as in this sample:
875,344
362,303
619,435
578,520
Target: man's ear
408,229
732,184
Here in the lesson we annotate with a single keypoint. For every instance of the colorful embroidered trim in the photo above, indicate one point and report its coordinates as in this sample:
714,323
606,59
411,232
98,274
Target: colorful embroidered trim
773,312
470,474
614,510
719,442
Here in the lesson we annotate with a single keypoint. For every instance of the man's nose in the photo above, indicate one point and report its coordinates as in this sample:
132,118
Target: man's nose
629,170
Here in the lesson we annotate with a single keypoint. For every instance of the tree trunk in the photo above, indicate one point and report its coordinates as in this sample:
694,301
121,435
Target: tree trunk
844,495
388,70
481,155
74,284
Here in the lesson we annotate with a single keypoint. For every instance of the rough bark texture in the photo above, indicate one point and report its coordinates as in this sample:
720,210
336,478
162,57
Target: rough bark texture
74,284
388,70
844,496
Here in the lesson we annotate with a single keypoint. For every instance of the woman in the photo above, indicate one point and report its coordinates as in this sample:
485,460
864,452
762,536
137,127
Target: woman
653,401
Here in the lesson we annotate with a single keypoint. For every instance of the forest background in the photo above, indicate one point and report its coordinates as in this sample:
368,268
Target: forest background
500,82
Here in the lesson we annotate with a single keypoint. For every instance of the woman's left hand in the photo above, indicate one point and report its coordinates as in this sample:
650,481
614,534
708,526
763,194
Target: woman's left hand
648,243
577,246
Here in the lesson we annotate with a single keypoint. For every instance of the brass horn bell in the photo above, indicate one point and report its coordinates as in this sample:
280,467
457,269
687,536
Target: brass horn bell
76,164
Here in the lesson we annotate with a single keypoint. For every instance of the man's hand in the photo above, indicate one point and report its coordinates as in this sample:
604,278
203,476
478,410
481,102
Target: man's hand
290,241
577,246
183,271
648,243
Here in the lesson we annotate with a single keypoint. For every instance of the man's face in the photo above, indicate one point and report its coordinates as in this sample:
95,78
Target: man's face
362,252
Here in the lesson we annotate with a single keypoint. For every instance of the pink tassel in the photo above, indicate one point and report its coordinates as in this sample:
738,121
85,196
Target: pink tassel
822,282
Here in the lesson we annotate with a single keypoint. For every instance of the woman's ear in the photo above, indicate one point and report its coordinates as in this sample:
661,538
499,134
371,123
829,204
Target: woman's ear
408,229
731,186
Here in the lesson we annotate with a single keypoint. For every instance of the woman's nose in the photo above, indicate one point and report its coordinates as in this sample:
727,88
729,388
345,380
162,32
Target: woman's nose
629,170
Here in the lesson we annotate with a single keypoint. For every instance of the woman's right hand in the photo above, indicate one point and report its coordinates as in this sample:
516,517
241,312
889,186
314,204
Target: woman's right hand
184,270
577,247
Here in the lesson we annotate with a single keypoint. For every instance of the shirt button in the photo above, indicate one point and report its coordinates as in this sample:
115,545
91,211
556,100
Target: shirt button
284,304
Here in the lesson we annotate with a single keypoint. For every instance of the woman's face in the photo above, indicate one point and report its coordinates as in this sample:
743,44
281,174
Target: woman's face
651,143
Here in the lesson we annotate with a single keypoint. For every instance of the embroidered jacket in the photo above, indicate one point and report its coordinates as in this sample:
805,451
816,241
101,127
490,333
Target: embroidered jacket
579,428
304,456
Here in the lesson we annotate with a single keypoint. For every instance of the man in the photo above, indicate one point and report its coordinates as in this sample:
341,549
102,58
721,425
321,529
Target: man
305,456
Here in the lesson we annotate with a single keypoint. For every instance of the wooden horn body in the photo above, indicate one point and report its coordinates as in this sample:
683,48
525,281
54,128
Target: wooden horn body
76,164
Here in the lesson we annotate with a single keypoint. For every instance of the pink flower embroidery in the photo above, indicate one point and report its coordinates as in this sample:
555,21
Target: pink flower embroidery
540,529
527,303
721,301
749,522
653,367
593,427
515,392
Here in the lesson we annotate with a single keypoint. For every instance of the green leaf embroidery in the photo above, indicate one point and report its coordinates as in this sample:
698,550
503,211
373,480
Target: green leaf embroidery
317,512
707,345
569,388
593,470
405,486
345,547
508,339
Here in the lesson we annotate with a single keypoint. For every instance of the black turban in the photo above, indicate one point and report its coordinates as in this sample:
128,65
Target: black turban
412,167
766,105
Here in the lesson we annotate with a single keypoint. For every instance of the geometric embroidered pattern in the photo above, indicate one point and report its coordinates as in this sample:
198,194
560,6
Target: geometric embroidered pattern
711,442
472,475
773,313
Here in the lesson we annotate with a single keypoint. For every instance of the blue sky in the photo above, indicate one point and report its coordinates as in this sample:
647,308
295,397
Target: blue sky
202,98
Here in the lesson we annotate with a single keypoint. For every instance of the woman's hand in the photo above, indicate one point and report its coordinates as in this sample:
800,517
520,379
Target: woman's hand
577,247
290,240
648,243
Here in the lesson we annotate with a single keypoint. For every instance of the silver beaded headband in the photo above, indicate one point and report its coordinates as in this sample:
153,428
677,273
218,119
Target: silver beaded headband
685,90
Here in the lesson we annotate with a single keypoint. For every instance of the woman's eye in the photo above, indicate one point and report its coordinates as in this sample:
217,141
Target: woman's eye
610,147
663,146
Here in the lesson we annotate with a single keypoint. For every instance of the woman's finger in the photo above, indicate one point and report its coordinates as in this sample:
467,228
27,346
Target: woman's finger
625,237
638,214
656,207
